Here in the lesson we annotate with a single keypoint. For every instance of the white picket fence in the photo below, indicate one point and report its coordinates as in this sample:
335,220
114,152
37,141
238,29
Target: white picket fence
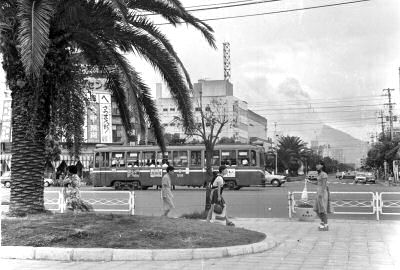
354,203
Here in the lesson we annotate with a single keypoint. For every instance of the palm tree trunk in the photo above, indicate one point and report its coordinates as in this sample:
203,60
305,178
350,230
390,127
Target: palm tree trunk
208,154
28,156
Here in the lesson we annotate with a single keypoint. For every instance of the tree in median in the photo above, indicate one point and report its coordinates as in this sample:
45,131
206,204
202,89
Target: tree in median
43,43
290,152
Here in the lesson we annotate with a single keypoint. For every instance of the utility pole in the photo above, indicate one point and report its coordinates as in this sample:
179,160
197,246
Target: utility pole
390,104
276,150
382,124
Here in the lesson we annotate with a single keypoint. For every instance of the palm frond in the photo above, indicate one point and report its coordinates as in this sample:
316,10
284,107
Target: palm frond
33,33
169,69
140,22
173,12
119,6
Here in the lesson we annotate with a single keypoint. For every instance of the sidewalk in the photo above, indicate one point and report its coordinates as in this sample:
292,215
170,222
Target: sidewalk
350,244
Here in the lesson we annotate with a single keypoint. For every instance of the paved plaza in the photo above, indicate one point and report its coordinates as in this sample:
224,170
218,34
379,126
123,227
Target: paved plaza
349,244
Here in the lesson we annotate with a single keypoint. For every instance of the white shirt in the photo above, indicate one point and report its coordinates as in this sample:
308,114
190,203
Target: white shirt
218,181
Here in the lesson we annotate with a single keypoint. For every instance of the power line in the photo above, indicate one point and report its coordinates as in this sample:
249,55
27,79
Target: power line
324,122
338,99
216,4
311,102
275,12
327,107
226,5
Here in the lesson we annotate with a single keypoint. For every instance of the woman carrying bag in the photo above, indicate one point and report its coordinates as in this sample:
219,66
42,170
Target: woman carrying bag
216,197
322,203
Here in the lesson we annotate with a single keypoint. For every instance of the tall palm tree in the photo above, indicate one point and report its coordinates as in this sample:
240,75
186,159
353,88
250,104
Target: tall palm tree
43,43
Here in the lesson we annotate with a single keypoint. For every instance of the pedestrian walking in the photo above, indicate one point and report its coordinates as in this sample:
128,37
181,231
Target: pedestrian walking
166,193
216,195
71,191
322,202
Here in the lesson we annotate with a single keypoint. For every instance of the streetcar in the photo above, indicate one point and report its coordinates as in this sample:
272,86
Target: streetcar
142,167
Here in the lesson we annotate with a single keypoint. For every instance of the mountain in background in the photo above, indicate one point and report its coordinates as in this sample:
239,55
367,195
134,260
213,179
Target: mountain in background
353,149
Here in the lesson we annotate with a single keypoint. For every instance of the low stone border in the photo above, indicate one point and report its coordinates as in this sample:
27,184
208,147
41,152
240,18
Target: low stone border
109,254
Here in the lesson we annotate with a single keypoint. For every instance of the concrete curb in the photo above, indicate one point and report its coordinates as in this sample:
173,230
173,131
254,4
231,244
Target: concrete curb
109,254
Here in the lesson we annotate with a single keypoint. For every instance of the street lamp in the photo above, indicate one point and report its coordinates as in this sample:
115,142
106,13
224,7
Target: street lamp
276,161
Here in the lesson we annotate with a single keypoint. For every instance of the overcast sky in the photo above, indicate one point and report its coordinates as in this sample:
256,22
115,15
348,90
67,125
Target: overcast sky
335,61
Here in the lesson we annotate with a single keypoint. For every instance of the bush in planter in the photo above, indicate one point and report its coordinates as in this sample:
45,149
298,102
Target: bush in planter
304,205
305,211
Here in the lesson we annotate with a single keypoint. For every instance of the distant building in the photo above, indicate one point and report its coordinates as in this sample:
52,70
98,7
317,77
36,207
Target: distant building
242,124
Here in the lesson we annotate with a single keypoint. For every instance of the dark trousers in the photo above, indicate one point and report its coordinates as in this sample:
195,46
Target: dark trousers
323,217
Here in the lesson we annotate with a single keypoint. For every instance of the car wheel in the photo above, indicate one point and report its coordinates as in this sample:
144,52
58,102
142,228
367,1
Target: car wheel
7,184
46,184
275,183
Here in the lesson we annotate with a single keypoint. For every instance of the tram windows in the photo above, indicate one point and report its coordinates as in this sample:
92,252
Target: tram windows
216,161
180,158
118,159
98,159
244,158
195,158
253,158
164,159
132,159
228,157
102,159
149,159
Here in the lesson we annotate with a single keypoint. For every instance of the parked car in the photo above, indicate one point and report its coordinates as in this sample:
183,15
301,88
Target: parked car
6,180
360,178
349,175
275,180
48,182
370,177
312,175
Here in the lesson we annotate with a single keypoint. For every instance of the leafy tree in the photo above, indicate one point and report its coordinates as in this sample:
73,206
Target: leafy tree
44,43
380,152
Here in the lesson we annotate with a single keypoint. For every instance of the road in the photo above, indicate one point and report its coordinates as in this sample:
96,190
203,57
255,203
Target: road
252,202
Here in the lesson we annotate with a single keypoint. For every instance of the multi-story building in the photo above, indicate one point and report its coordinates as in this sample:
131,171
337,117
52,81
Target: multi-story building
242,123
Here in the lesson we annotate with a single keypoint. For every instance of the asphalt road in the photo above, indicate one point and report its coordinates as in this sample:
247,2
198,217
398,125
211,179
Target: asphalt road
256,202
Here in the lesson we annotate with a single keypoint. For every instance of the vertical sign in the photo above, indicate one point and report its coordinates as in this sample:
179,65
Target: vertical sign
5,135
93,120
105,118
85,125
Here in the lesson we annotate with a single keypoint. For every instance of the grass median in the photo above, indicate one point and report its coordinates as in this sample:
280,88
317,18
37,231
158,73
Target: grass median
93,230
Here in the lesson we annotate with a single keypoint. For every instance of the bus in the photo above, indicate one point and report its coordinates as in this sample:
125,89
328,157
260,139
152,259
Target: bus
142,167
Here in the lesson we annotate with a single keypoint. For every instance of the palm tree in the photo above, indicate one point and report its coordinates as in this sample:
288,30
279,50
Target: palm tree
43,44
290,151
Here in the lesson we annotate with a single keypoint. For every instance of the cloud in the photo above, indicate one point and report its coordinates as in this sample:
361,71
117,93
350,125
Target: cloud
291,89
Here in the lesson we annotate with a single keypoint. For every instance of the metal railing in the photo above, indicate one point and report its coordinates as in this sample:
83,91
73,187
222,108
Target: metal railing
107,202
391,203
354,203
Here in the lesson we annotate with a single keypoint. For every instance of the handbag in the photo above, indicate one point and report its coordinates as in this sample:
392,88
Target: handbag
218,208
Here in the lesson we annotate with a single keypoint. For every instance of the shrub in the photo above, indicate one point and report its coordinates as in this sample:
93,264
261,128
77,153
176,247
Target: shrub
304,205
196,215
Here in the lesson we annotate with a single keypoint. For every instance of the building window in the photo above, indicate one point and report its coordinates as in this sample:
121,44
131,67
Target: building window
165,109
117,133
197,109
114,108
172,109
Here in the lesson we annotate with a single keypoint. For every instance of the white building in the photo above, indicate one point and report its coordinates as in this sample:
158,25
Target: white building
242,124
